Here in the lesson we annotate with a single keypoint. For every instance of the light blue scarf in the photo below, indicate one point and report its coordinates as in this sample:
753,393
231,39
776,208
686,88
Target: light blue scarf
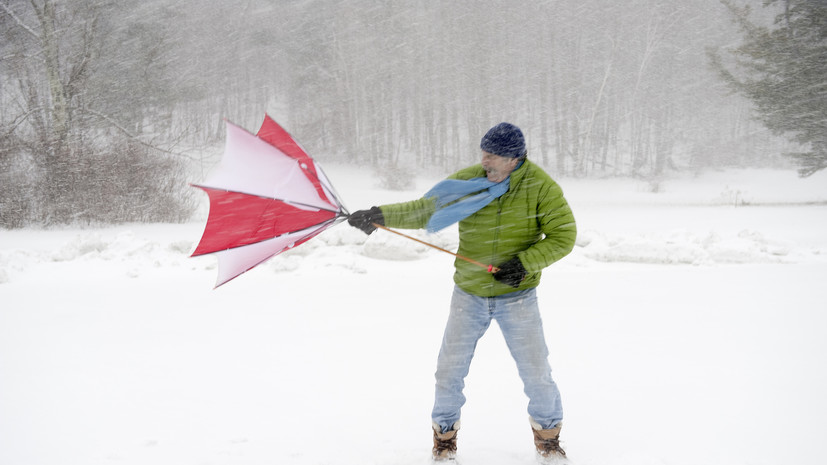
458,199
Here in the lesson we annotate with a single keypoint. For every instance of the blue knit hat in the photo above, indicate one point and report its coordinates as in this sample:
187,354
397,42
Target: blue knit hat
505,140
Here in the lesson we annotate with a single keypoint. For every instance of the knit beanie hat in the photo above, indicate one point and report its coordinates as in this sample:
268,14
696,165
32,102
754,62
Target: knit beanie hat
505,140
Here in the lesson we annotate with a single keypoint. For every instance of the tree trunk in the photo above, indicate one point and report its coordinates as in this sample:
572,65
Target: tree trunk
59,101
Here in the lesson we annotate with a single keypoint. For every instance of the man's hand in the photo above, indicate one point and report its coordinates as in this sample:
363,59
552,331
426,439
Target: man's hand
511,272
364,219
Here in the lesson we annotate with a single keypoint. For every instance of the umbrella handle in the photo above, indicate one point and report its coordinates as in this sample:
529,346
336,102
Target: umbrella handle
489,268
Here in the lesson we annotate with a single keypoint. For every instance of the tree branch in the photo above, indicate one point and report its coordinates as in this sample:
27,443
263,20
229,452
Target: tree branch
132,136
19,120
19,21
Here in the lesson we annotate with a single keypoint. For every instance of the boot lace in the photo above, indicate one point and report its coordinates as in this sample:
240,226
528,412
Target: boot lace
547,446
445,448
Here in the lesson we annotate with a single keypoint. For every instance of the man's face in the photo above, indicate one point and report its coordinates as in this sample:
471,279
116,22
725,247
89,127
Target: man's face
497,168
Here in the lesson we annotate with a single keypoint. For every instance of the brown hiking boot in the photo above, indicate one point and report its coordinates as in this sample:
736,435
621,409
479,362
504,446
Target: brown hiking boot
547,441
445,444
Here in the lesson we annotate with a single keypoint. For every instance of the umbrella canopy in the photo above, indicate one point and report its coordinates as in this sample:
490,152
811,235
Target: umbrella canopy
266,195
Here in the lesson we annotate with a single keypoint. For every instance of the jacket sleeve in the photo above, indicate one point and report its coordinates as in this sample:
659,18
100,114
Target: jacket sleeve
556,222
408,215
415,214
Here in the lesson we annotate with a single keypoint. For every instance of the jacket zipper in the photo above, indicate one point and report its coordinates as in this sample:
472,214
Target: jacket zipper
497,231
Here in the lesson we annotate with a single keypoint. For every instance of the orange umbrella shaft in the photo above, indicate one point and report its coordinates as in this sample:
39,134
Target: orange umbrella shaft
490,268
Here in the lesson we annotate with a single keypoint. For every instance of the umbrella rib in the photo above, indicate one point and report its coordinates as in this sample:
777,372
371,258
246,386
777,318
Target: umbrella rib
289,202
333,220
332,188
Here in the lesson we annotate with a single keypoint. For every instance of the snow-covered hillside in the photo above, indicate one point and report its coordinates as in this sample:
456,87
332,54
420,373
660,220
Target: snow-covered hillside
687,327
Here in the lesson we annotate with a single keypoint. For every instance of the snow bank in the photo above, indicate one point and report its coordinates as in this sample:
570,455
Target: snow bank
684,247
718,218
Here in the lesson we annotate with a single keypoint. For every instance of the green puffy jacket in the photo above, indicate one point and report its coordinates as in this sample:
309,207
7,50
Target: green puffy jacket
532,221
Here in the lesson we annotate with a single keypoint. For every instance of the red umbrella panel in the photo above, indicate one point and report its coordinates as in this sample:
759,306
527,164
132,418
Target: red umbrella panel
266,196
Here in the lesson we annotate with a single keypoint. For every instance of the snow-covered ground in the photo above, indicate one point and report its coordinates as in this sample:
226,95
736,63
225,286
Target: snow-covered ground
689,326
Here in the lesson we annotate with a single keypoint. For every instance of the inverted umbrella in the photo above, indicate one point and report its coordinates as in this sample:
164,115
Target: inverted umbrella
267,195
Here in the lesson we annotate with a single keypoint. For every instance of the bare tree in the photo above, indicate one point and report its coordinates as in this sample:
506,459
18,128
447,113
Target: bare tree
78,87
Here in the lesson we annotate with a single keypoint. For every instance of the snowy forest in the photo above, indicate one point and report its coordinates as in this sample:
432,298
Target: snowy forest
106,106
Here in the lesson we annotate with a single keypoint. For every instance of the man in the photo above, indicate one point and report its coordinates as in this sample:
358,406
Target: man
513,215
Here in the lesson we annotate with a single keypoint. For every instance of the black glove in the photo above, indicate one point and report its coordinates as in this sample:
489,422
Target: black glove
511,272
364,219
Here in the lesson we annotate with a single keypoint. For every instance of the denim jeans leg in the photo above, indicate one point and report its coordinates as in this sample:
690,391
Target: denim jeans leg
468,320
518,317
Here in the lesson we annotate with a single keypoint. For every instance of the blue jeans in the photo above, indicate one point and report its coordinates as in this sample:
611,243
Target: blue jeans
518,317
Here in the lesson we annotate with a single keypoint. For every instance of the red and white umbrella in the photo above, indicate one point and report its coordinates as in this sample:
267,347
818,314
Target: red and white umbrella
267,195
